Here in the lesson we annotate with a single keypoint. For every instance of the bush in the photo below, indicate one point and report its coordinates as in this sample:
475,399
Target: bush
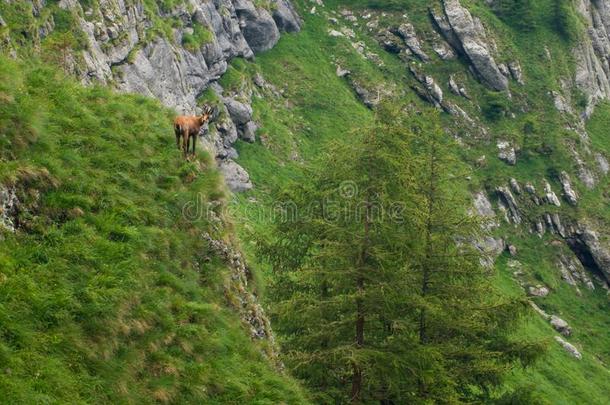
495,106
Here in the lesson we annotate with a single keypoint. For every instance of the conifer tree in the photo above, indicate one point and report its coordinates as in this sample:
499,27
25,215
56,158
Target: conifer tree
380,295
339,269
463,323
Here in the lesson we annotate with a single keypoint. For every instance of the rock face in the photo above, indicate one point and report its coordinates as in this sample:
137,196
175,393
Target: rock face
120,52
467,35
250,310
163,68
592,64
508,202
591,249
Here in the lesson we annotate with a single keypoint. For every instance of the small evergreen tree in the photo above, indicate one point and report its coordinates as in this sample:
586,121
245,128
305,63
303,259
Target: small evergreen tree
380,296
462,321
340,275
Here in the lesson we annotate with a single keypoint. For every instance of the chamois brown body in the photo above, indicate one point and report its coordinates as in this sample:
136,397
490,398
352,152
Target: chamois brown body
187,127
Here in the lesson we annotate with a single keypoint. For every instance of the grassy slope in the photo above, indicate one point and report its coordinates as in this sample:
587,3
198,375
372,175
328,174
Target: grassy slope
320,107
107,293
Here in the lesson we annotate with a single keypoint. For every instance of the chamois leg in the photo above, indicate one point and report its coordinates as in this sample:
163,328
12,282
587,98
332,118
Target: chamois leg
185,143
194,143
177,131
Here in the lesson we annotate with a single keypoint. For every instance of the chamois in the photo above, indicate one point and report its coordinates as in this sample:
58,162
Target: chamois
187,127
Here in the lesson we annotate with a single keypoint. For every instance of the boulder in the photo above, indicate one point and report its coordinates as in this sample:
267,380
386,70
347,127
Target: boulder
257,26
538,291
506,153
248,133
236,178
240,113
560,325
285,16
472,43
569,347
568,193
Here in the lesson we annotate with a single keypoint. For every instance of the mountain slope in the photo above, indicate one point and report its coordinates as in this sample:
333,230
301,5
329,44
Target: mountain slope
109,292
522,85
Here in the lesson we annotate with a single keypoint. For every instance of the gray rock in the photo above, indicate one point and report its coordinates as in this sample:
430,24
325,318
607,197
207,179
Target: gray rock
482,205
248,134
588,242
592,74
9,208
549,195
569,193
285,16
490,249
473,44
257,25
335,33
516,71
512,250
507,198
569,347
602,162
538,291
514,185
407,32
236,177
540,311
240,113
560,325
507,153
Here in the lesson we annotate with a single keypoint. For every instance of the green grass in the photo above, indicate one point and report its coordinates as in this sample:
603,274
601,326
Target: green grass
108,294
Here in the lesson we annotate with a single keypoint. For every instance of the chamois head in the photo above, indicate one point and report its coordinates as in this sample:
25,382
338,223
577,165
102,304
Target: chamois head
206,114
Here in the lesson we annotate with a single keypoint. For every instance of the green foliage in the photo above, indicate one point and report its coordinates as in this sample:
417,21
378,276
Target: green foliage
495,105
567,22
377,224
200,36
108,294
517,13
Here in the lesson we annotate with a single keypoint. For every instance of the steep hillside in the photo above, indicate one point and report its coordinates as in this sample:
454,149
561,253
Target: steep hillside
345,58
110,293
523,87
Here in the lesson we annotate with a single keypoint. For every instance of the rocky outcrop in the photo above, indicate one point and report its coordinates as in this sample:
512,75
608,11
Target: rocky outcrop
592,250
509,204
236,177
126,50
506,153
573,272
9,208
569,348
549,195
250,310
467,35
592,64
568,192
406,31
120,52
560,325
